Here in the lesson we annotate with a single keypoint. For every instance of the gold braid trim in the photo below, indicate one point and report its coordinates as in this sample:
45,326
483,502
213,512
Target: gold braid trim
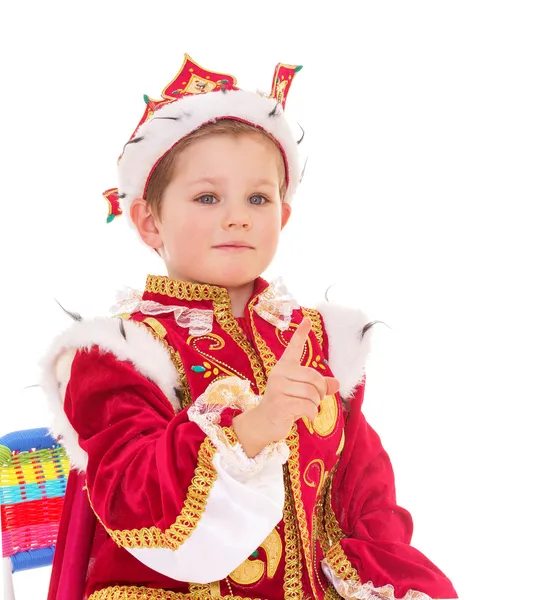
128,592
317,325
333,530
227,321
184,387
267,355
293,569
230,435
340,564
292,441
194,506
183,290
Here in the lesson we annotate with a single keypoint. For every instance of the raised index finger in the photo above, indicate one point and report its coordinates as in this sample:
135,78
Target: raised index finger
294,349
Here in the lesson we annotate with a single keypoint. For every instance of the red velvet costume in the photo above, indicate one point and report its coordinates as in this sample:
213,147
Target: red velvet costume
150,468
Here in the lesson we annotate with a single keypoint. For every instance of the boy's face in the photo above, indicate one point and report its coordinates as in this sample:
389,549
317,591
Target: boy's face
221,214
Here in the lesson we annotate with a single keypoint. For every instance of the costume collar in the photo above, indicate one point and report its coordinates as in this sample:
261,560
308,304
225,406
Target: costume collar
167,291
194,304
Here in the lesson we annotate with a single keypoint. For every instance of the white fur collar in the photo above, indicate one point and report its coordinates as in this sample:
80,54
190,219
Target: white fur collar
347,351
137,345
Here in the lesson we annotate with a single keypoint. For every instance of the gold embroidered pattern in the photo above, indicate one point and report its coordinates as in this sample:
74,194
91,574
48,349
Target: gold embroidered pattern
251,571
194,505
340,564
317,325
293,465
199,590
227,321
127,592
293,571
269,359
217,343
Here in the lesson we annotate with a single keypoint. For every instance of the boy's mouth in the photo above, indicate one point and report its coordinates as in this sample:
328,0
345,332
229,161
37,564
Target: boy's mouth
234,246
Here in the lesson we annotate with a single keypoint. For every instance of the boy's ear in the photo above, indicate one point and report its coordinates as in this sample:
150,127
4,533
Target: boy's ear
145,223
286,213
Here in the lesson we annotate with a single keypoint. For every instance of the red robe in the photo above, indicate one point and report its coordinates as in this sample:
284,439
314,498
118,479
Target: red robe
150,470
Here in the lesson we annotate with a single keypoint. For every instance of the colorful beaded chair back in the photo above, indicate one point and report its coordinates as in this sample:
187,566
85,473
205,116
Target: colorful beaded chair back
33,477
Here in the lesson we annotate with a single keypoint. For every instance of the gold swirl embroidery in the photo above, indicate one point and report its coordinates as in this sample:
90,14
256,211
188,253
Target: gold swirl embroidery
323,474
128,592
325,421
194,505
216,343
251,571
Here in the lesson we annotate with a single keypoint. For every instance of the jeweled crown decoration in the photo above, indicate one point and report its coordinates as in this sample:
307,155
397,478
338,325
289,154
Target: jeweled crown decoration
192,79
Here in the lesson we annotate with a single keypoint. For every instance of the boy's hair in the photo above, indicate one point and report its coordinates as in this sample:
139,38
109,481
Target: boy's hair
163,173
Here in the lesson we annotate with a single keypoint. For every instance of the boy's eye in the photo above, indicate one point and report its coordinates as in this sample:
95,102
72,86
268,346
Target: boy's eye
206,199
258,199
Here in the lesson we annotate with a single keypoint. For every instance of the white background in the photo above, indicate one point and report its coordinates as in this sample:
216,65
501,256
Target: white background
417,203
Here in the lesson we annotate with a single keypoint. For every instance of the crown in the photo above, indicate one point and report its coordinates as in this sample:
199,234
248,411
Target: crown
191,82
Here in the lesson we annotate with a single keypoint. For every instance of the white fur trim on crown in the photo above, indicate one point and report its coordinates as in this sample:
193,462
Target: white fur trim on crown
158,135
148,356
347,352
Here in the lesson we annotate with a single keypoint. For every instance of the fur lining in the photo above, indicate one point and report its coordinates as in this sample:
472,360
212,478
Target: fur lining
137,345
158,135
347,352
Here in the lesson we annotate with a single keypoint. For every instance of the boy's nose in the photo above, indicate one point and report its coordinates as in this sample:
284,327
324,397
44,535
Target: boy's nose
237,220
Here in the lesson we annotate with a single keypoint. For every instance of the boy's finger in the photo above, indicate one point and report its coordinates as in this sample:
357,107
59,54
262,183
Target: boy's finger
294,349
332,386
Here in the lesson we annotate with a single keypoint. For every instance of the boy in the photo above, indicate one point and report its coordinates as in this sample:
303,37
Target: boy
215,426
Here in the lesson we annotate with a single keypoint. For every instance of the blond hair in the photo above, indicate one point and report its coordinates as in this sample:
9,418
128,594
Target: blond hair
164,171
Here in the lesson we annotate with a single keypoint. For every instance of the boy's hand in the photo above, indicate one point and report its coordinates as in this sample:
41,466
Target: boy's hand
292,392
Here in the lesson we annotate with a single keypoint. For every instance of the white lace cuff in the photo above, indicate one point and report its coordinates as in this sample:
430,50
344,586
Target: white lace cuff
353,589
233,392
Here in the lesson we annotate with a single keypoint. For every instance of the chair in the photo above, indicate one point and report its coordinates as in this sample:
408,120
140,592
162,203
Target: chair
33,477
